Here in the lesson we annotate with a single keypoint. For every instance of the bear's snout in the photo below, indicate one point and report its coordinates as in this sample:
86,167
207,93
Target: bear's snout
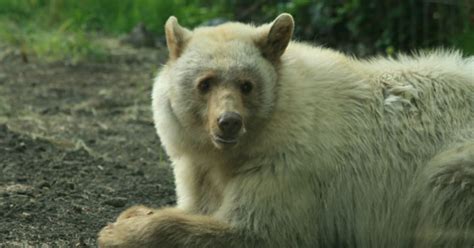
230,124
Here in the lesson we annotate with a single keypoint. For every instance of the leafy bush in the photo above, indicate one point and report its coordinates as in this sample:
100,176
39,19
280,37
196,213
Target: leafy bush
367,26
356,26
110,16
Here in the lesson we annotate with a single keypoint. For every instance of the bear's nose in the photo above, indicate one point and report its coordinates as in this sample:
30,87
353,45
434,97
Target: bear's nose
229,123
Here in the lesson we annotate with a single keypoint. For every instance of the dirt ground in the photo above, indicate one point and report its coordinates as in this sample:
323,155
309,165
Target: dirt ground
77,146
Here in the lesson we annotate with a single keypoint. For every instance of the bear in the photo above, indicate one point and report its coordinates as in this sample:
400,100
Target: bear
279,143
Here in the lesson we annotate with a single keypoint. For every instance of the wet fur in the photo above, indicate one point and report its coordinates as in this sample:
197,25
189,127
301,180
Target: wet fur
339,152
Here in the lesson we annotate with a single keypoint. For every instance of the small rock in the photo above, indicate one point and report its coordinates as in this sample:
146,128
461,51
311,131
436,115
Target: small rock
26,216
21,189
214,22
3,77
139,37
120,166
77,209
117,202
70,186
21,179
20,147
160,41
44,184
138,172
81,243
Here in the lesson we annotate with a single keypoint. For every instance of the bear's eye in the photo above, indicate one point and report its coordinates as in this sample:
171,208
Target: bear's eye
204,85
246,87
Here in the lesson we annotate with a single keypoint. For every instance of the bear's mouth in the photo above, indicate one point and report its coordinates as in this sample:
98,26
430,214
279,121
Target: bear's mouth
224,140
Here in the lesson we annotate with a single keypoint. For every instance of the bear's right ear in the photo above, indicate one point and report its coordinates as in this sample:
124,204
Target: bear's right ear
176,37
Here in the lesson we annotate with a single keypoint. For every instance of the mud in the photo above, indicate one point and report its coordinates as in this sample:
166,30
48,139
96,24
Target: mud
77,146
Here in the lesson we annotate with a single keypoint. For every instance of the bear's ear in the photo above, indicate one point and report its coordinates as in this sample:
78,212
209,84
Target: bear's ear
176,37
273,45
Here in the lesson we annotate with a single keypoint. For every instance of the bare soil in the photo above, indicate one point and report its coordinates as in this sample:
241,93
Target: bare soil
77,146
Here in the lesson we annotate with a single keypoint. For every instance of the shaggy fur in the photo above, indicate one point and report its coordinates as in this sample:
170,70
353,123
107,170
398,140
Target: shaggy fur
333,151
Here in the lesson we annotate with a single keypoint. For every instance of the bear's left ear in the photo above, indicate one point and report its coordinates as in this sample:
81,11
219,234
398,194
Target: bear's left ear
274,43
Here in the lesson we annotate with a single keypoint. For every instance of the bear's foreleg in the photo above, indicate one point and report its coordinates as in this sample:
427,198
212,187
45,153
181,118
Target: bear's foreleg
170,227
447,193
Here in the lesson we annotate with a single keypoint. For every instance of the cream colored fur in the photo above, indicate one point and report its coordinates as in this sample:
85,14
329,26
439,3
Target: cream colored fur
338,152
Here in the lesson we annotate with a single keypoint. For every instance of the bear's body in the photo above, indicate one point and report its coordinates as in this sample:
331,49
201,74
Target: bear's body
332,152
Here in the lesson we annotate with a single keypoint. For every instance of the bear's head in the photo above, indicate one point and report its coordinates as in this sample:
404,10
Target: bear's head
224,79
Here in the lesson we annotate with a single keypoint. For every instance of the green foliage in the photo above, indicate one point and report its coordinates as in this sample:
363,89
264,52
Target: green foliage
110,16
356,26
61,29
465,41
57,44
367,26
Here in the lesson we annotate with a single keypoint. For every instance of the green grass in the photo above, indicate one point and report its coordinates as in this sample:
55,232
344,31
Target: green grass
51,45
65,29
109,16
